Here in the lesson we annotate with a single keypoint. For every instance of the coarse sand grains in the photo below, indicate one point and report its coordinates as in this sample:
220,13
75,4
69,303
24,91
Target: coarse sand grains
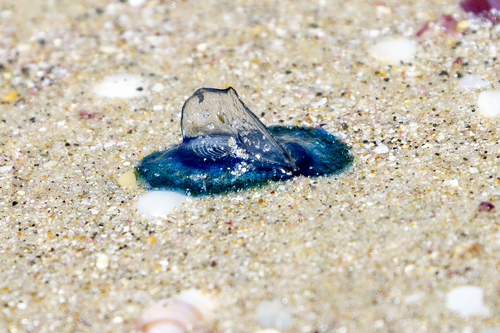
378,248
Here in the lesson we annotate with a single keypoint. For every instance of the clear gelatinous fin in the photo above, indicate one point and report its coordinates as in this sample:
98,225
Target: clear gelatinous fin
221,112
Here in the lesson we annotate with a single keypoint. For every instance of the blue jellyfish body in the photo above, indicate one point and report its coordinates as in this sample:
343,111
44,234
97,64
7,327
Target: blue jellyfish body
226,148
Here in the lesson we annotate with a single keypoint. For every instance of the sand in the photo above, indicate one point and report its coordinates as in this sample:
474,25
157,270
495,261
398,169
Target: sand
374,249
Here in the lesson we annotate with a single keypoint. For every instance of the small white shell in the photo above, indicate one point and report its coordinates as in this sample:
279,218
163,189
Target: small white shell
177,314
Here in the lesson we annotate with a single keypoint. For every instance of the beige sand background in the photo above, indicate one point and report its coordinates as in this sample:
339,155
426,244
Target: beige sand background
342,253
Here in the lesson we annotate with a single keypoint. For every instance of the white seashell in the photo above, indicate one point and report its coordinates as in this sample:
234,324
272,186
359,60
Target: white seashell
177,314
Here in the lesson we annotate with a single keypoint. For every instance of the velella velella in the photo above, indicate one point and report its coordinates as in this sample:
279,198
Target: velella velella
226,148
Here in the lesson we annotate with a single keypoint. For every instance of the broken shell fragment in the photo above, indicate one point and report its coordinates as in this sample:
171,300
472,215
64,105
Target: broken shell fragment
178,314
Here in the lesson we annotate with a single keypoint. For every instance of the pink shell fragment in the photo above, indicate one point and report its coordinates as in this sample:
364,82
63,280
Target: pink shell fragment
448,23
424,28
479,6
85,114
486,206
494,4
475,6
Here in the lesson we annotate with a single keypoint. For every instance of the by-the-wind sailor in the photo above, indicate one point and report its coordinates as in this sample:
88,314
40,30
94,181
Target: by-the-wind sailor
226,148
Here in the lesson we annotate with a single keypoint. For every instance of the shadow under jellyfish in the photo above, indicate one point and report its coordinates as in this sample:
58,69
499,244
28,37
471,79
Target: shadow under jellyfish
226,148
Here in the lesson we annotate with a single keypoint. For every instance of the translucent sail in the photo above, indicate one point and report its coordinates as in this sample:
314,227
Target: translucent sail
220,113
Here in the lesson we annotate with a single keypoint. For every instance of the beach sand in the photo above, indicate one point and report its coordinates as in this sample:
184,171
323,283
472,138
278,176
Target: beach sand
374,249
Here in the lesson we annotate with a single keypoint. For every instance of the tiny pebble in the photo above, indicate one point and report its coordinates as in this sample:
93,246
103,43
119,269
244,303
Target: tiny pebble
201,47
486,206
102,261
286,101
274,314
24,47
394,50
6,168
473,82
126,163
120,86
108,49
94,211
127,179
158,107
382,149
414,297
466,300
319,103
21,193
158,203
136,3
488,103
50,164
158,87
268,330
10,96
473,170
